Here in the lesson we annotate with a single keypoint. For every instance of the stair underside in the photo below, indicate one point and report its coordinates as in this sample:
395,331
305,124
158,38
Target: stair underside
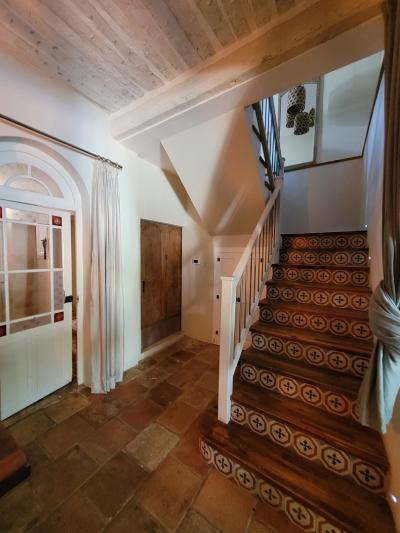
291,484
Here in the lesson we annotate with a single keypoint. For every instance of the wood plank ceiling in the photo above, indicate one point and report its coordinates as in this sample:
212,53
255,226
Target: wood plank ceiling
116,51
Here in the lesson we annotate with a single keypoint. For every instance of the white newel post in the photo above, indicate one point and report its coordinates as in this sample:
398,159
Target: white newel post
226,347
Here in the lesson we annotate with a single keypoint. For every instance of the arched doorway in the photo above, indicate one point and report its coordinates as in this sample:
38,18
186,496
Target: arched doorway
38,198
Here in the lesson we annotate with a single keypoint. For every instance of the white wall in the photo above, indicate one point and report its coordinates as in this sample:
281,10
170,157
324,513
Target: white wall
145,191
216,162
373,173
324,198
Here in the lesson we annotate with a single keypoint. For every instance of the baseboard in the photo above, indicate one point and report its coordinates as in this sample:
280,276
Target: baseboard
161,345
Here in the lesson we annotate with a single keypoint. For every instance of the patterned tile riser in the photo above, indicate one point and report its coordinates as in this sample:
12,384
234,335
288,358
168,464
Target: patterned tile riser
339,299
337,258
267,492
315,355
292,388
340,240
340,327
357,278
310,448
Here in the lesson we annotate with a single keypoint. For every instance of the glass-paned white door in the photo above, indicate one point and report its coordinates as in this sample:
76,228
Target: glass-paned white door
35,323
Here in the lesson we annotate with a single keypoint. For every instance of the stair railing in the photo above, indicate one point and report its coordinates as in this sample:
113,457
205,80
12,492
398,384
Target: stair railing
241,292
268,135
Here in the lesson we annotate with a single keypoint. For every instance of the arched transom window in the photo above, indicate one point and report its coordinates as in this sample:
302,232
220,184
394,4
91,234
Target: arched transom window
30,178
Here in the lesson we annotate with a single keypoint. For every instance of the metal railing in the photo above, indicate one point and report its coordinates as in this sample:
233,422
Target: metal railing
241,292
268,135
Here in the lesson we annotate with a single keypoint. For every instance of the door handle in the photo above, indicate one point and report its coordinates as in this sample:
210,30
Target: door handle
143,283
68,299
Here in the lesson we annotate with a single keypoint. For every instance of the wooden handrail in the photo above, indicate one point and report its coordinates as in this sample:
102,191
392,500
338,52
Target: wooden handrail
257,230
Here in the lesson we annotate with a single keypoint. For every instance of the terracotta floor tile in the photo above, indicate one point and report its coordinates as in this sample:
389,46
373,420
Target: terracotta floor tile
67,407
169,365
134,519
19,509
146,363
212,503
114,484
188,374
152,377
109,439
273,520
169,491
182,355
187,451
61,438
187,343
197,397
131,373
101,409
164,393
258,527
209,356
209,381
195,523
30,428
178,417
152,446
77,515
56,481
127,393
36,456
140,414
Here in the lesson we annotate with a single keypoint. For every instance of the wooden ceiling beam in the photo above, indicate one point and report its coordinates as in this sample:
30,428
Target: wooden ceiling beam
306,26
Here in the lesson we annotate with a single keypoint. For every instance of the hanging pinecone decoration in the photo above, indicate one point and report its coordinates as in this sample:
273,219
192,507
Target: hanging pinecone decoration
290,120
301,123
296,100
311,117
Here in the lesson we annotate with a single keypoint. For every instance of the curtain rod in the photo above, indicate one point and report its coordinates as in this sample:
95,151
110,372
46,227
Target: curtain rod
59,141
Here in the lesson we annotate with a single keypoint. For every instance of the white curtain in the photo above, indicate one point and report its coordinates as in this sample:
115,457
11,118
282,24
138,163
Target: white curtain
107,331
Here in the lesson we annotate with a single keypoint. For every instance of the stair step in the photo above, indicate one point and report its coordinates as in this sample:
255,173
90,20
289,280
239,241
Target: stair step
318,387
344,355
14,466
336,322
328,274
349,240
313,498
319,294
335,257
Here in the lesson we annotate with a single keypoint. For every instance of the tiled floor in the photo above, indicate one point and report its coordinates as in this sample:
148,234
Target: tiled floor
128,461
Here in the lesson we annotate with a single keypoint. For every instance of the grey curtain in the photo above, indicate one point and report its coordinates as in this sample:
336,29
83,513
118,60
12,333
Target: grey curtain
381,383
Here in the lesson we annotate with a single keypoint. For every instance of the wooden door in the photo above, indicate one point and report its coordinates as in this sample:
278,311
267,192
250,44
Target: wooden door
161,272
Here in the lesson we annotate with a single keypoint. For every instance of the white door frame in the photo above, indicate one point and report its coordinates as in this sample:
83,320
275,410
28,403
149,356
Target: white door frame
20,149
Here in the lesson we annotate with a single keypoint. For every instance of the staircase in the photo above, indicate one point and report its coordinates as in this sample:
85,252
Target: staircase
293,438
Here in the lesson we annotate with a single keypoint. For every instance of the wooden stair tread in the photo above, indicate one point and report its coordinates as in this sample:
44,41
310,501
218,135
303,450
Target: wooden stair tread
328,495
319,233
325,249
321,286
348,344
345,384
350,314
319,266
13,462
346,434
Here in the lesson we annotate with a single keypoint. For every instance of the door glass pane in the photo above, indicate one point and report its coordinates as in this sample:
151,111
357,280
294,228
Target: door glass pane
29,294
27,216
28,246
12,169
28,184
58,291
29,323
2,300
57,248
